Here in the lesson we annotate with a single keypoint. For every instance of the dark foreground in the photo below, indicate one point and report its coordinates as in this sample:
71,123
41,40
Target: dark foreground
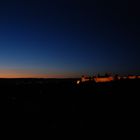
62,103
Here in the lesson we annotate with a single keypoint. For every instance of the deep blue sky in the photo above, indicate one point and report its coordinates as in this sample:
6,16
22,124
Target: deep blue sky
69,38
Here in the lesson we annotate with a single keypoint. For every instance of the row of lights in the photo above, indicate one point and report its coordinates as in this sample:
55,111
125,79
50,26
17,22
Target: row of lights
106,79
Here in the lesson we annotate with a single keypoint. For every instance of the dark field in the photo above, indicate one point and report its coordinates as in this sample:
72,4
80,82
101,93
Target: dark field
62,103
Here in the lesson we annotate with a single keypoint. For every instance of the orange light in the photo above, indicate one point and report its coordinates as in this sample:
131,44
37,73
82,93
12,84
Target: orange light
131,77
103,79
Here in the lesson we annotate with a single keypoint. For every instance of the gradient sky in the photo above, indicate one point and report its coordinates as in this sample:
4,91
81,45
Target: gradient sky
69,38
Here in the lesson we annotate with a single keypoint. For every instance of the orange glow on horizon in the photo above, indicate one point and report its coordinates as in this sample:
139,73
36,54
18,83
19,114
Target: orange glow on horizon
30,74
22,76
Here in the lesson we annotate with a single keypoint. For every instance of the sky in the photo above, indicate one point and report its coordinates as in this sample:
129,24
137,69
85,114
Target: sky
68,38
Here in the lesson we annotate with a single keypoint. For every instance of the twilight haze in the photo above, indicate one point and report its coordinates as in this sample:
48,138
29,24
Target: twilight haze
68,38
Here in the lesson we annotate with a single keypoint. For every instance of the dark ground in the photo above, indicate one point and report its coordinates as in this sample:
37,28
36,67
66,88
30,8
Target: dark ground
58,103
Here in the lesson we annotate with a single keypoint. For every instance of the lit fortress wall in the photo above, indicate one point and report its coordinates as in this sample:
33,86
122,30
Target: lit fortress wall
103,79
131,77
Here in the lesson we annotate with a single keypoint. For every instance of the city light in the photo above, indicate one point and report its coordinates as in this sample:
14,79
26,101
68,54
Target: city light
103,79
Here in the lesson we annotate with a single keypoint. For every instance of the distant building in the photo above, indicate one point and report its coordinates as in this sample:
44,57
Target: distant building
106,78
85,79
103,79
138,77
131,77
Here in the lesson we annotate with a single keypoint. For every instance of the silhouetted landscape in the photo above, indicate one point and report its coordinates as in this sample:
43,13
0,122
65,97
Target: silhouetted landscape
63,103
70,64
